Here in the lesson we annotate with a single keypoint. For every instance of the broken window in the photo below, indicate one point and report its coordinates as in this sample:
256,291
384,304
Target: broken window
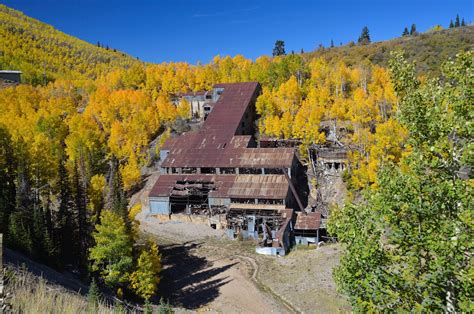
208,170
250,170
270,201
242,200
189,170
227,170
274,171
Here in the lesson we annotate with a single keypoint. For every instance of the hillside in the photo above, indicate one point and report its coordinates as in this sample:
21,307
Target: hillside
39,50
429,50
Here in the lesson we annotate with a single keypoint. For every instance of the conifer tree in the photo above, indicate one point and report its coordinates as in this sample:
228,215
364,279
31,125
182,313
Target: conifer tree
457,23
7,178
116,198
64,221
279,49
332,43
405,32
82,236
19,233
463,23
413,31
364,37
451,24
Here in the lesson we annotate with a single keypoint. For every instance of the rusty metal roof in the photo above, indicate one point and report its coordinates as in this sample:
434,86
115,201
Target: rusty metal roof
217,143
259,186
232,186
181,156
308,221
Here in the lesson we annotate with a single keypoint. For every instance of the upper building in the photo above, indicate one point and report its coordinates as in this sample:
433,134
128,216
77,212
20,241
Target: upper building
9,78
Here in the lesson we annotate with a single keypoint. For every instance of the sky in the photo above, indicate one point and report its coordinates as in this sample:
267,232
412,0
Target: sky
197,30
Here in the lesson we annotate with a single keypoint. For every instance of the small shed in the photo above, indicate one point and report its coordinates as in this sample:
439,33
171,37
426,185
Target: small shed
10,76
307,227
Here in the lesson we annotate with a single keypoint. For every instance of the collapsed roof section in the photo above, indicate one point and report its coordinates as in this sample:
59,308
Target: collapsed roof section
233,186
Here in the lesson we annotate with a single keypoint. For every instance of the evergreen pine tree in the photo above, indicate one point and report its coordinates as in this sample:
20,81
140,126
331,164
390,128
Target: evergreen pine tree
38,233
82,221
64,231
451,24
332,43
364,37
463,23
457,23
279,49
7,178
405,32
116,198
19,234
413,31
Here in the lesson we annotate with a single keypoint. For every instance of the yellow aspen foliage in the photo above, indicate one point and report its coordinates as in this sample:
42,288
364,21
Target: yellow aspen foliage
288,96
130,172
144,280
265,105
184,109
95,194
286,123
166,110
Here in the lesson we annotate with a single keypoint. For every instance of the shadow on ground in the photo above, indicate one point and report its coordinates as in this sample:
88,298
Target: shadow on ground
189,281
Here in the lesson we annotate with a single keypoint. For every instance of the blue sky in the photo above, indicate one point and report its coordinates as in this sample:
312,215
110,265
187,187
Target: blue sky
192,31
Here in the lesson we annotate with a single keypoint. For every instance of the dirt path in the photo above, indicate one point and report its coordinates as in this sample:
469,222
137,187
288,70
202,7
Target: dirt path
197,276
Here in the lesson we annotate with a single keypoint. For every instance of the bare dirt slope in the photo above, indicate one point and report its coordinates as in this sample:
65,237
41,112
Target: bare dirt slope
200,276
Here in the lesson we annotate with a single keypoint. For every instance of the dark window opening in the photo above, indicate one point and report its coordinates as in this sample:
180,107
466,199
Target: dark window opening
227,170
213,226
208,170
189,170
270,201
274,171
242,200
250,171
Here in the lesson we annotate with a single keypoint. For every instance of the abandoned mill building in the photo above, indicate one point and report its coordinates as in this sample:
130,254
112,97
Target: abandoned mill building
220,173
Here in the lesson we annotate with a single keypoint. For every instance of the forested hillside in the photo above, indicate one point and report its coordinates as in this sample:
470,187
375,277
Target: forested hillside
428,49
44,53
74,149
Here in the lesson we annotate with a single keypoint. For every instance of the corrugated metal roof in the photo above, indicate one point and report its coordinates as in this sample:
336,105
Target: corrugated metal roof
180,156
10,71
235,186
216,144
308,221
